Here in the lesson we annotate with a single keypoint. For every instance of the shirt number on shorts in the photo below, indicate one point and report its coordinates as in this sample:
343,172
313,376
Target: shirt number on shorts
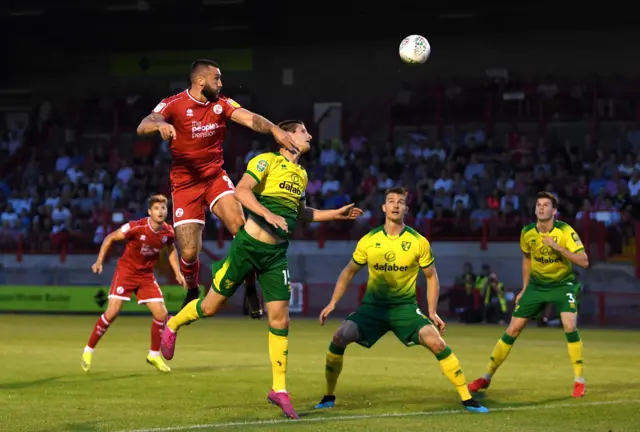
287,278
229,182
571,299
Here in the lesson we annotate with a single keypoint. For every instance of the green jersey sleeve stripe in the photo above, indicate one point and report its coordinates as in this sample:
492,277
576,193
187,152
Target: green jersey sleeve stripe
356,261
252,175
579,250
432,262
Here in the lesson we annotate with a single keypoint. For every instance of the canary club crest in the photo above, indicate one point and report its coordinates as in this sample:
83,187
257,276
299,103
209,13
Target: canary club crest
262,165
406,245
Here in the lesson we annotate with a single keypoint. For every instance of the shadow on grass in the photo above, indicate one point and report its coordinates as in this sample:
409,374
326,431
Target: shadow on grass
18,385
58,380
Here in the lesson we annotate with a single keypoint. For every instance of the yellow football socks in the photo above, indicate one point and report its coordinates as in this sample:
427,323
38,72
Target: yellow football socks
191,312
278,352
499,354
451,368
575,354
333,367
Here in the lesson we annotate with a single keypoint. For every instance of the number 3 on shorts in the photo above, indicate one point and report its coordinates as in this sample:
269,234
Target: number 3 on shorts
287,278
571,298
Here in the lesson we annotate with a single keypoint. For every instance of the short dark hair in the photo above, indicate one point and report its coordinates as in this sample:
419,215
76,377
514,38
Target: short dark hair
157,198
396,190
200,64
290,125
549,196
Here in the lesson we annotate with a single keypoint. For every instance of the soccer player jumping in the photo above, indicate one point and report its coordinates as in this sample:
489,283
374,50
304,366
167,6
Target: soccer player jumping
394,255
195,122
549,248
134,274
272,190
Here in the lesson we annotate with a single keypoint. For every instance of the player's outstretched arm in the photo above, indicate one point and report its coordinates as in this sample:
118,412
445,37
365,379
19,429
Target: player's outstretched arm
155,122
344,280
433,295
174,262
259,124
117,235
309,214
244,194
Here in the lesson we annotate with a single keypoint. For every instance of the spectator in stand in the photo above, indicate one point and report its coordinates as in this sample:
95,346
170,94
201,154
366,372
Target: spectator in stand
358,143
63,162
255,150
9,217
330,184
634,183
509,201
125,173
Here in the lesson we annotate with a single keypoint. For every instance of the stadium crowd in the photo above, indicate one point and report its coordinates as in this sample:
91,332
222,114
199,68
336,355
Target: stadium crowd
66,192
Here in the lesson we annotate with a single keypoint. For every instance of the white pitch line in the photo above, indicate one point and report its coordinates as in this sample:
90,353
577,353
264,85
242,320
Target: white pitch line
378,416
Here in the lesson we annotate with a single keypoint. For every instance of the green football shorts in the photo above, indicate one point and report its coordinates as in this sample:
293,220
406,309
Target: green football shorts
536,297
247,254
404,320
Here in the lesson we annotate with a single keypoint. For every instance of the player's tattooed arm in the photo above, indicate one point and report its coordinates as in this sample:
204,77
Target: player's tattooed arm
156,122
253,121
260,124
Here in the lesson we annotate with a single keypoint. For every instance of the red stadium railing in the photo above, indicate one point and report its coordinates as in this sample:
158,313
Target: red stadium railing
600,240
598,308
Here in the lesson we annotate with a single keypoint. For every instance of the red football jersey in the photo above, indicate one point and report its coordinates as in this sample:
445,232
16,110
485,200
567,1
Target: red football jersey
200,129
143,246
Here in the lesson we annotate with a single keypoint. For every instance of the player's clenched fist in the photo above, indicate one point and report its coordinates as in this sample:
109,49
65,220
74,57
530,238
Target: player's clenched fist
276,221
97,267
167,131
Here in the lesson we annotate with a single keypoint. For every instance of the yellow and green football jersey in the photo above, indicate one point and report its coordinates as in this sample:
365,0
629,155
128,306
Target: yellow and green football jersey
281,186
393,263
548,267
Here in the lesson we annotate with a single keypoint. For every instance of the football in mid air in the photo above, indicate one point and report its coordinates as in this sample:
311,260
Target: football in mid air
415,49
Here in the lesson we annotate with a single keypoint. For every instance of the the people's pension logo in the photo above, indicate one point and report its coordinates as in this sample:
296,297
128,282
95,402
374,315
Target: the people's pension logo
198,130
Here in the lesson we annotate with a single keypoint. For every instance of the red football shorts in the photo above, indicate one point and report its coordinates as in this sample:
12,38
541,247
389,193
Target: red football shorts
145,288
190,199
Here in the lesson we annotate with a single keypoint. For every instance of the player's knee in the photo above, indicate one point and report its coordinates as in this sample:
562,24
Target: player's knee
279,322
111,314
513,330
430,338
569,325
212,303
347,333
159,315
189,255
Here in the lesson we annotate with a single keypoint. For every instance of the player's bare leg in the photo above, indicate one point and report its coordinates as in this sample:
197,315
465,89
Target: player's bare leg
346,334
431,339
500,352
189,238
206,307
278,313
569,323
230,212
159,314
99,329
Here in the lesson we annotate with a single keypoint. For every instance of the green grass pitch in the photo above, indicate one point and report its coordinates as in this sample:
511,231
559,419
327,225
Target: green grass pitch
221,376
